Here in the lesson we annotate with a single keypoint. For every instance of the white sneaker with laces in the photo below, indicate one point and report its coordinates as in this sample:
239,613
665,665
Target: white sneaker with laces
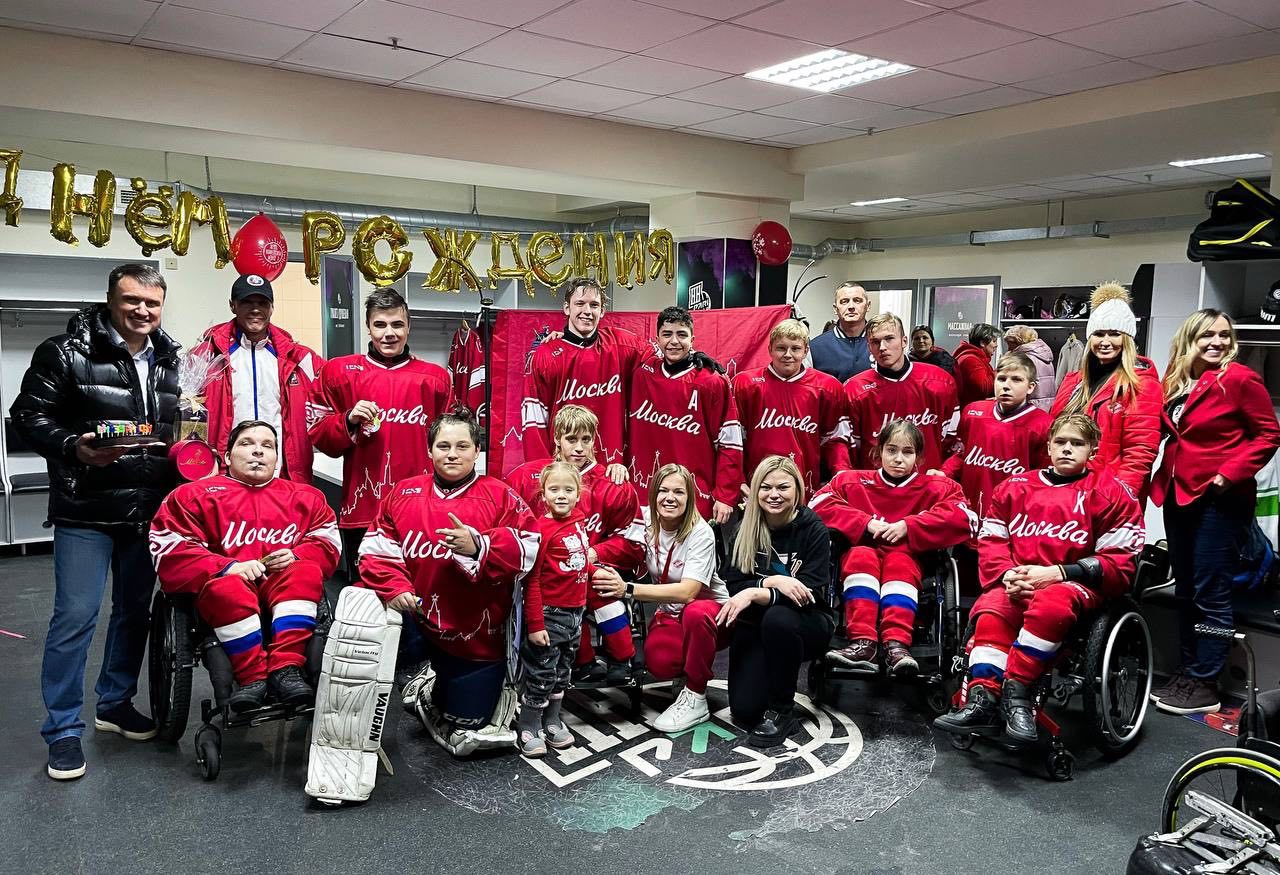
688,710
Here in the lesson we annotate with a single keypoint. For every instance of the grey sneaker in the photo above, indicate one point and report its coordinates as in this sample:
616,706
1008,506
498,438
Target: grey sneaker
1171,686
557,735
531,745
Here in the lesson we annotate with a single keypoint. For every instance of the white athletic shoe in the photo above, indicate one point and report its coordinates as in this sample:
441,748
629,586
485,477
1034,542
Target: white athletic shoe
688,710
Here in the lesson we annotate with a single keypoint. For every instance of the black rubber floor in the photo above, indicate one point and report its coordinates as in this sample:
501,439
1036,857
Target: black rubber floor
869,790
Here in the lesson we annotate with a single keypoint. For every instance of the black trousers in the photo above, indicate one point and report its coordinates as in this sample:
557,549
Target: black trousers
765,655
351,539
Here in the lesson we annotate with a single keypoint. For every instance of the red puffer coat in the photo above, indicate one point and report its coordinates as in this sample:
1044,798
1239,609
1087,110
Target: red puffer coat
975,378
1130,428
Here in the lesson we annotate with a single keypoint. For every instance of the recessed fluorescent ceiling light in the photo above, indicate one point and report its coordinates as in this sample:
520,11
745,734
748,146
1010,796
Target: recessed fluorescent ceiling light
829,70
1221,159
883,200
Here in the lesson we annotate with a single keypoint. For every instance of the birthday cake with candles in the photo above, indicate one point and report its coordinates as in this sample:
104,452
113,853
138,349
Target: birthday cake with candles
124,433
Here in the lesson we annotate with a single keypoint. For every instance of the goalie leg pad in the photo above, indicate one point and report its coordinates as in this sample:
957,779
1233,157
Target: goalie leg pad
497,734
351,698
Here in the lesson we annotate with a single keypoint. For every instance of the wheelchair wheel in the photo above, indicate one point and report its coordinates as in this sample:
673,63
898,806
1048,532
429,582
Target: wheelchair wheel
817,677
1117,678
209,752
169,664
1245,779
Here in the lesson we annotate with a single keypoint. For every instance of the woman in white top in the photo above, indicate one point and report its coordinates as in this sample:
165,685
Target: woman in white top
681,554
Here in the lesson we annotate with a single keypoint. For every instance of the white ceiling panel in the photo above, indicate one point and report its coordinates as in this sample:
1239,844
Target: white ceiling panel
752,126
1110,73
312,15
915,88
650,75
671,112
1253,167
325,52
222,33
617,24
581,96
539,54
1242,48
1161,30
332,73
1165,175
1085,183
1029,60
203,52
827,109
964,199
897,118
466,77
1024,193
982,100
509,13
124,18
422,29
827,23
720,10
936,40
1264,13
809,136
745,94
732,49
539,107
1047,17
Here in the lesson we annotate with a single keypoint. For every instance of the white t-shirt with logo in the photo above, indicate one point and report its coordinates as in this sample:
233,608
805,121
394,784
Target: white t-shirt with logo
694,558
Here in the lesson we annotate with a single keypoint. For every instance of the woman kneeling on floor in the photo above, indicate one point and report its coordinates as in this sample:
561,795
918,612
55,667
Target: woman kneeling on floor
680,551
778,571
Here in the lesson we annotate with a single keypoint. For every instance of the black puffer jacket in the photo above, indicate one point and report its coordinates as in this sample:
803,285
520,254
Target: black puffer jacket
76,379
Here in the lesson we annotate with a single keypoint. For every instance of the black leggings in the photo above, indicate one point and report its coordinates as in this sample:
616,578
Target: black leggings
765,655
351,539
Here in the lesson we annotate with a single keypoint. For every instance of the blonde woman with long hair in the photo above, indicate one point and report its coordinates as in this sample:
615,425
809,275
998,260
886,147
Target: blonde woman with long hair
778,571
1116,388
1222,430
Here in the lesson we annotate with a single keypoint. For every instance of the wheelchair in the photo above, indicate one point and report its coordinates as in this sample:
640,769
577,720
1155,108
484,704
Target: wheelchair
179,641
1108,660
633,686
935,639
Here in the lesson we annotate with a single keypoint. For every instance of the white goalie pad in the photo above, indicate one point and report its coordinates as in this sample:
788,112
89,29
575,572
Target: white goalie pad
351,698
497,734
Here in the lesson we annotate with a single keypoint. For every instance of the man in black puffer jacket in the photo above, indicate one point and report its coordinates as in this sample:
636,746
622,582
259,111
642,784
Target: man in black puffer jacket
114,363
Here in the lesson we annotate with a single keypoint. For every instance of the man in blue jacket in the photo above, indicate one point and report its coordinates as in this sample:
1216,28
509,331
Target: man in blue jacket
842,351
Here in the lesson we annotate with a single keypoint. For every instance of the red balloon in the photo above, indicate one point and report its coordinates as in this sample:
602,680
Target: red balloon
771,243
260,248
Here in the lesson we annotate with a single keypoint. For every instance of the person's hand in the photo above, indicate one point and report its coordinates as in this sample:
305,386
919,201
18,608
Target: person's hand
1039,576
553,335
793,589
894,533
618,473
459,539
730,610
1218,483
249,570
720,513
540,639
279,560
405,603
745,488
1016,587
876,527
608,583
364,411
97,457
937,471
592,555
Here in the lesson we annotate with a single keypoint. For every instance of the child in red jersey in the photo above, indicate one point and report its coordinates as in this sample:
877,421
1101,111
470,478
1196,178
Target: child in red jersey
555,597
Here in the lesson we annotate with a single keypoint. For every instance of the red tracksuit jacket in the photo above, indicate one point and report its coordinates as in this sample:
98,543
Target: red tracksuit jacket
991,447
933,508
561,573
924,394
466,601
203,527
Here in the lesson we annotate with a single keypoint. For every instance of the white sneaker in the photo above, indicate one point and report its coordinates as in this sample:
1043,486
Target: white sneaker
688,710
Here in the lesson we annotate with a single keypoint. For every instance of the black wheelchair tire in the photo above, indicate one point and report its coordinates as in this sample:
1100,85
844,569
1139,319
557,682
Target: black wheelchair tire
169,662
1100,657
1261,768
209,755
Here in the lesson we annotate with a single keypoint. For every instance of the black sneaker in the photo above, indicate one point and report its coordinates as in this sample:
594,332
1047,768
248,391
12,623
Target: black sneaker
66,759
289,687
773,729
1169,687
1019,712
979,716
248,697
589,672
124,720
1194,697
618,674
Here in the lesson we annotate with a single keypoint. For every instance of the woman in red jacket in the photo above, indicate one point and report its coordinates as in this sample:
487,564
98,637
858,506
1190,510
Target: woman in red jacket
975,377
1118,389
1222,430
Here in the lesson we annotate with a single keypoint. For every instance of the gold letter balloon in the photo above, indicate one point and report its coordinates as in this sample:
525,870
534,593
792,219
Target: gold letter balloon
321,232
137,220
66,203
9,200
381,273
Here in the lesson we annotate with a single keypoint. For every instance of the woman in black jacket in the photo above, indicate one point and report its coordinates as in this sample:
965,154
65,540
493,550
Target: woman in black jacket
778,571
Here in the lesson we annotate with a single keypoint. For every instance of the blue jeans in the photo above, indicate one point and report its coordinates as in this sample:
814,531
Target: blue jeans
81,559
1205,541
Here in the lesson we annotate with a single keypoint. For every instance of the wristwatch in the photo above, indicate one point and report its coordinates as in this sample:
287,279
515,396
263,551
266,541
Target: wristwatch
629,589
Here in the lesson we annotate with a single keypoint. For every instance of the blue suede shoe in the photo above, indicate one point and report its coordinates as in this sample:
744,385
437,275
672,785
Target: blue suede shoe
66,759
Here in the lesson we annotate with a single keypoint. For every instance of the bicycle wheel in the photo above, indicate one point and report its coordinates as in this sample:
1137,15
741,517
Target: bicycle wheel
1244,779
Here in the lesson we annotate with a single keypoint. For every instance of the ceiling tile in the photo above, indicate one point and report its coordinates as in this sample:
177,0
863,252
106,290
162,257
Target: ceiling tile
650,75
1047,17
1017,63
964,199
617,24
422,29
732,49
898,118
827,109
1110,73
827,23
809,136
752,125
198,50
1085,183
672,112
1253,167
222,33
538,107
312,15
1024,193
125,17
746,94
1242,48
982,100
915,88
936,40
539,54
325,52
465,77
332,74
581,96
1161,30
1264,13
720,10
1165,176
509,13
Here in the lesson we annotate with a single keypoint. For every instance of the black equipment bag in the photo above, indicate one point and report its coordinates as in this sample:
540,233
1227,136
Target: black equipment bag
1244,222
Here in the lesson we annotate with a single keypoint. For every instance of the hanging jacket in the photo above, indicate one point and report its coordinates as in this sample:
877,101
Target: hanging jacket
975,378
1069,358
1046,380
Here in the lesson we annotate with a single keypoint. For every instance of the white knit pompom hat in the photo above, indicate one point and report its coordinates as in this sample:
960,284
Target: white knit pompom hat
1109,310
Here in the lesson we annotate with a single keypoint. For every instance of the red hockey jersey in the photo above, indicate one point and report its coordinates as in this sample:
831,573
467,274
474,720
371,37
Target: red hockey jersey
690,418
991,447
613,522
466,601
467,371
561,573
203,527
1032,521
925,394
594,376
933,507
410,395
802,418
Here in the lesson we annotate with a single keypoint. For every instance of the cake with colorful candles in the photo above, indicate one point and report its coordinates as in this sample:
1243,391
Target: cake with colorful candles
124,433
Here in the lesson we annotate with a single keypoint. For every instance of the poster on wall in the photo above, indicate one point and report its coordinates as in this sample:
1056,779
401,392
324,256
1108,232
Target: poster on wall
740,267
338,299
716,274
955,310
